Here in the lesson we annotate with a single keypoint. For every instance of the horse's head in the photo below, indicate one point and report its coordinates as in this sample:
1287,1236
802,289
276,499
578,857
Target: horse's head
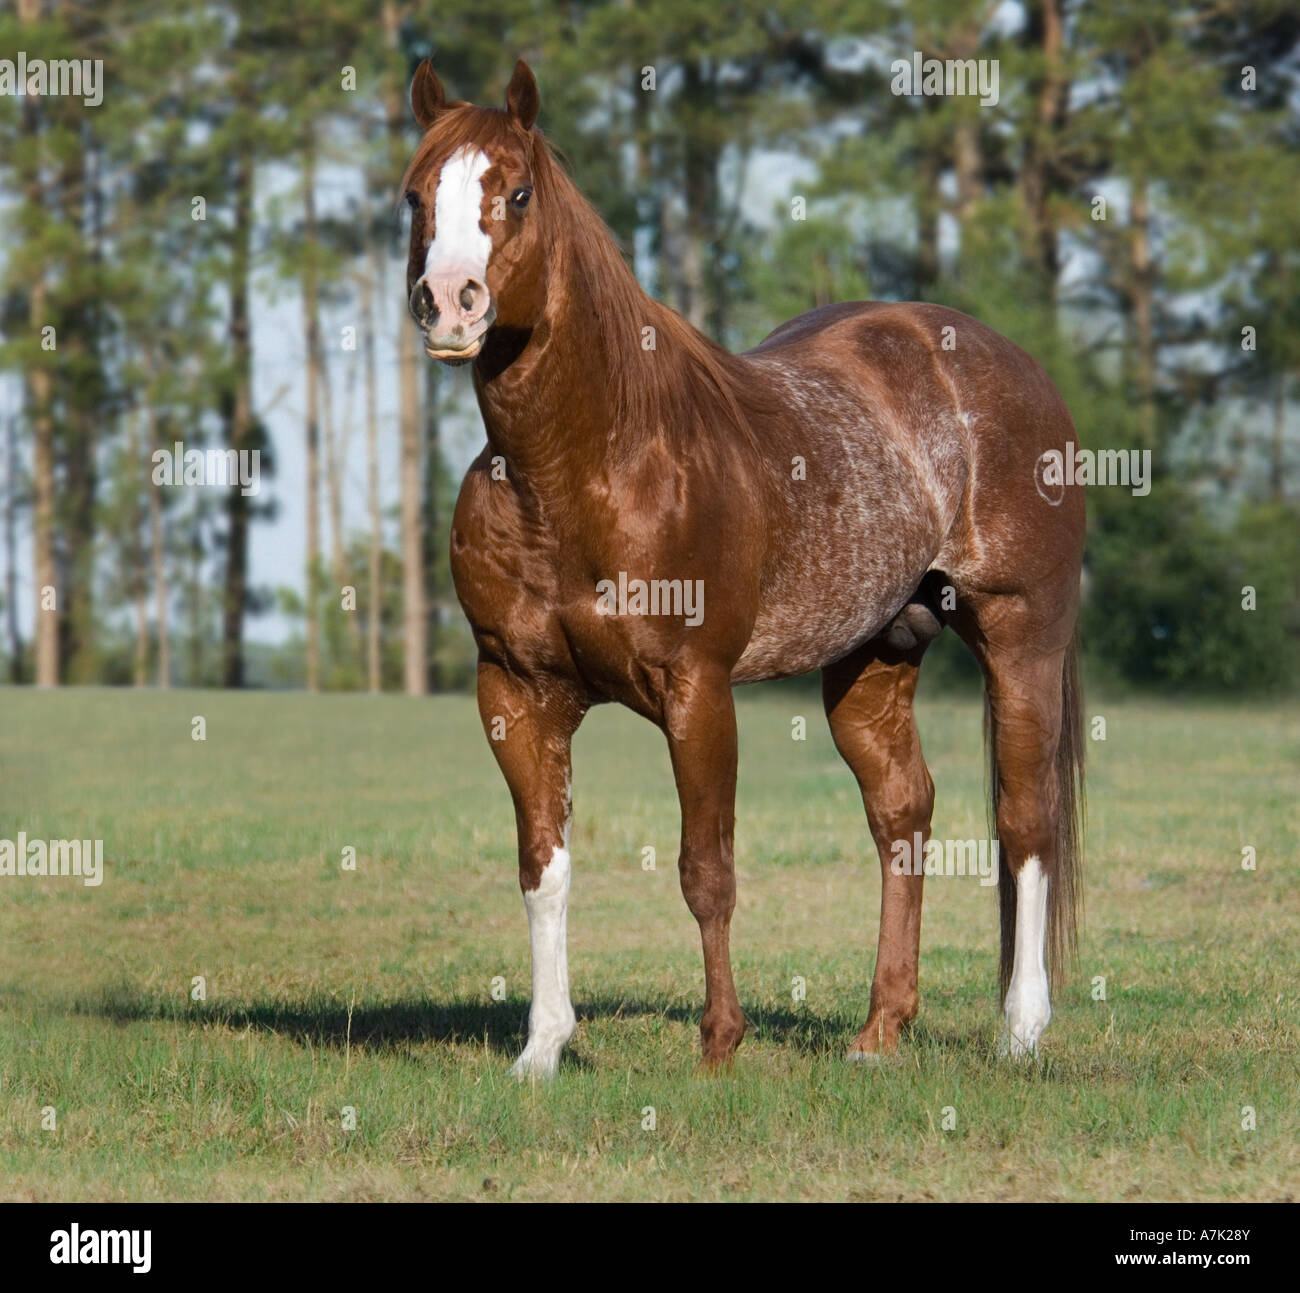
475,246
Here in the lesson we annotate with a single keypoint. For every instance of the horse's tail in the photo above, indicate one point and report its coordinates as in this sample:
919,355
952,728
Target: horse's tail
1065,888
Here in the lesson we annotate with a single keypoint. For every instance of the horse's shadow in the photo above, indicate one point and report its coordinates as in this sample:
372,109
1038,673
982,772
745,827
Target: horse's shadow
500,1026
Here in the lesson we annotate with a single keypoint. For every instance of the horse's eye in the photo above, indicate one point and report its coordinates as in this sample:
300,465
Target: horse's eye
413,200
519,198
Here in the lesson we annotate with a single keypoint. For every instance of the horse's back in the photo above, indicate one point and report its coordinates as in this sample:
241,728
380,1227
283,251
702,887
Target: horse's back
815,321
913,353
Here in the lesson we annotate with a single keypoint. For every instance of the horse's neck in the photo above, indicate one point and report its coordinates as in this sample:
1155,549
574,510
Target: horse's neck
553,411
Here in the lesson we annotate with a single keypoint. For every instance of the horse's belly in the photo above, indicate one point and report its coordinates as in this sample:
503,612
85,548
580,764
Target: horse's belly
821,608
851,539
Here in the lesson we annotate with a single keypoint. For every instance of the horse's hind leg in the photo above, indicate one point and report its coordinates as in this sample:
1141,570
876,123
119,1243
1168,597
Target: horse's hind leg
1037,752
868,698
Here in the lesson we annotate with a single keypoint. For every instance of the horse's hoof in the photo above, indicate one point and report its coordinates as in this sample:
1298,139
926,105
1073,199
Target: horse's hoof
872,1059
536,1063
863,1057
1014,1049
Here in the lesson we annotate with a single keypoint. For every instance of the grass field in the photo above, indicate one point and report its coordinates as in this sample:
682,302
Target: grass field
373,989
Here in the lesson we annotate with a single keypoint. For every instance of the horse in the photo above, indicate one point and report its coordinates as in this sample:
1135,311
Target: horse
654,520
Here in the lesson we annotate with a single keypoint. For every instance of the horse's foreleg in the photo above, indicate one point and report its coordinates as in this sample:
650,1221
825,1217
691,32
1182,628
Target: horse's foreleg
868,699
530,728
700,723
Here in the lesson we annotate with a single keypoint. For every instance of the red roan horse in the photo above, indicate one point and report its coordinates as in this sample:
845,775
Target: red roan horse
867,474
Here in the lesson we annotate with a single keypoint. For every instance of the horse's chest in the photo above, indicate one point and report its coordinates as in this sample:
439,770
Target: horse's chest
525,590
505,573
530,610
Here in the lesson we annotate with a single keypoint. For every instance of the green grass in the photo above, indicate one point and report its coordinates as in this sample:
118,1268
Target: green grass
373,989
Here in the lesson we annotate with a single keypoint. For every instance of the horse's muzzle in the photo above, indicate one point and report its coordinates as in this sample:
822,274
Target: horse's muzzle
454,309
460,343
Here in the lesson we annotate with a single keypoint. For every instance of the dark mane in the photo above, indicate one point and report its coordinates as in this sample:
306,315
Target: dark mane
664,389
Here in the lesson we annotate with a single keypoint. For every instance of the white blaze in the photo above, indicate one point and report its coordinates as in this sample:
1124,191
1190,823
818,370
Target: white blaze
1028,1004
458,242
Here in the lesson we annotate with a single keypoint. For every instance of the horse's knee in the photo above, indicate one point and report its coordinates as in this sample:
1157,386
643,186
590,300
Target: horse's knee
708,885
898,807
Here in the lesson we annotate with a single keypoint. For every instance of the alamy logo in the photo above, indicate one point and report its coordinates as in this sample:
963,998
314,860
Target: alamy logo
951,76
1128,468
683,597
76,78
945,857
181,466
77,1247
53,858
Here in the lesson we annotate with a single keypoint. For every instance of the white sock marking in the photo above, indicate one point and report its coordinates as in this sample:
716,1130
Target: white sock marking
1028,1005
551,1019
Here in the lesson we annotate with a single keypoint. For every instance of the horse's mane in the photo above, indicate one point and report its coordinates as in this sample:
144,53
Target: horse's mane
664,390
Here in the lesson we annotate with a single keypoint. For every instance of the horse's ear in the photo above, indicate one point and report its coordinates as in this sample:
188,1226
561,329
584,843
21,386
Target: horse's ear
522,96
428,98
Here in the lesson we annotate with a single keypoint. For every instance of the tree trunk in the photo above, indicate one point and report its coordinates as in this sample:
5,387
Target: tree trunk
673,289
701,193
79,330
414,615
39,392
137,479
1277,455
376,599
967,161
927,223
47,615
336,452
237,417
1039,174
1142,298
197,594
311,331
649,208
1277,477
431,493
966,166
414,625
157,540
11,552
